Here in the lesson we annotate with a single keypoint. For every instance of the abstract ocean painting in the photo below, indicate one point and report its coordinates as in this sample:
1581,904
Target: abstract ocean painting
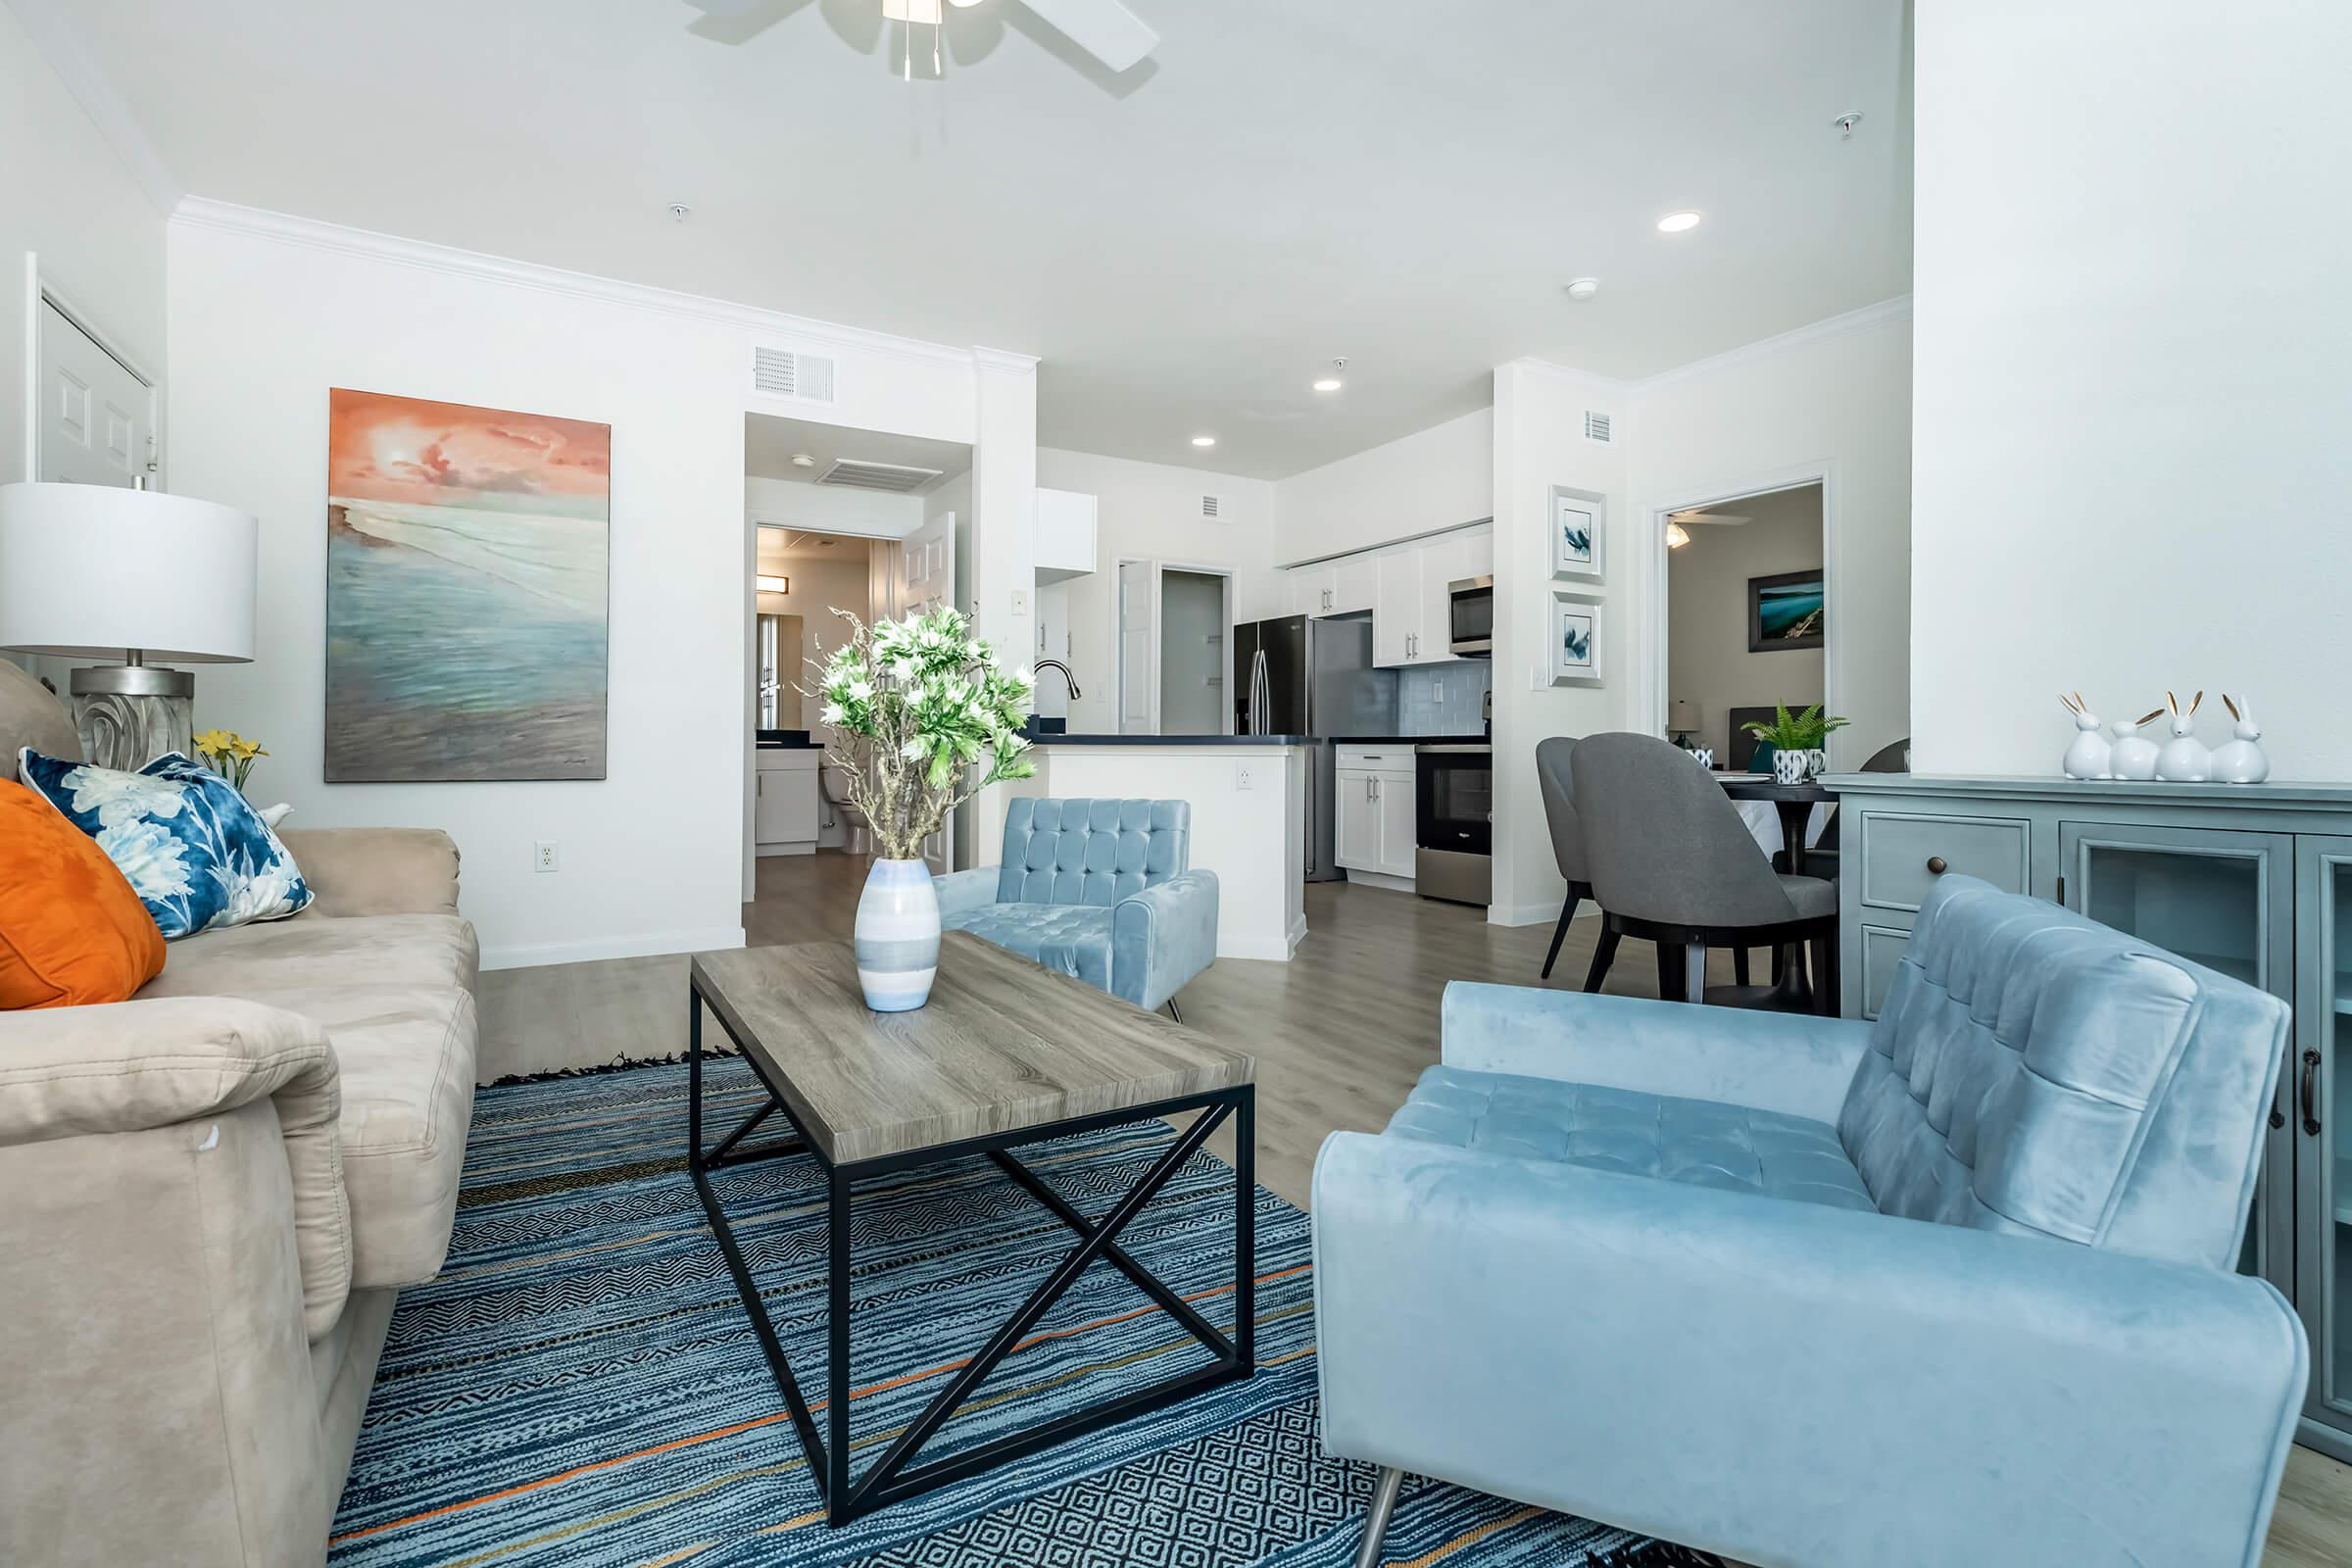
466,556
1785,611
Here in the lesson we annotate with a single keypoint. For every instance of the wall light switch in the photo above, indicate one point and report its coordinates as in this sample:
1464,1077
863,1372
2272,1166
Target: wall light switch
1021,600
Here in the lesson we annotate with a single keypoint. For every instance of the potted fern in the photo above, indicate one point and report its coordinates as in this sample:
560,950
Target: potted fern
1799,741
924,716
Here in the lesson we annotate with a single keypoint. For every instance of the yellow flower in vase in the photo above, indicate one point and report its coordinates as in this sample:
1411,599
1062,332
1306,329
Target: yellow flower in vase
230,754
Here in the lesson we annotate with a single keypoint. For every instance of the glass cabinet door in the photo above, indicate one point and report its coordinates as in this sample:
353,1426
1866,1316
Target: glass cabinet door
2225,900
2318,1108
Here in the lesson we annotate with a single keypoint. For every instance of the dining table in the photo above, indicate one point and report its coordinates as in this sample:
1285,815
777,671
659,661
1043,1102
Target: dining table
1799,811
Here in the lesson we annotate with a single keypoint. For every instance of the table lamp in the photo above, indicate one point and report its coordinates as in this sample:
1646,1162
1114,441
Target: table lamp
94,572
1682,720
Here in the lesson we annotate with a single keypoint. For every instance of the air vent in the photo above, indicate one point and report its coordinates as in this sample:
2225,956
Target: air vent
780,373
892,476
1596,426
1213,506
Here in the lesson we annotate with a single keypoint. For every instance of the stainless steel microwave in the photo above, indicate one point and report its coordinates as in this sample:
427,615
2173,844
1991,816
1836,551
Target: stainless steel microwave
1472,602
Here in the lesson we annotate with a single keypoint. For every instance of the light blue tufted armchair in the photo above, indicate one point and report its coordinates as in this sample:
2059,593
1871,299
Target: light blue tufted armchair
1952,1289
1096,889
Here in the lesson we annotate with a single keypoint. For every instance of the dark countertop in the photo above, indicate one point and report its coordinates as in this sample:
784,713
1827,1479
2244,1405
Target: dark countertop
1051,739
786,745
1409,740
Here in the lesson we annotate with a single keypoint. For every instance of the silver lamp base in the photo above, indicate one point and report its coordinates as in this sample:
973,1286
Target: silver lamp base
129,714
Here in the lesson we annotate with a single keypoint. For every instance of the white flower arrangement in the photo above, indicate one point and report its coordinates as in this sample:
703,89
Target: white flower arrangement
914,706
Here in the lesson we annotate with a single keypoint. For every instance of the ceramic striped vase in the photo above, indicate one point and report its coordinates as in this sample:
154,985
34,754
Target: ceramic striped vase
896,936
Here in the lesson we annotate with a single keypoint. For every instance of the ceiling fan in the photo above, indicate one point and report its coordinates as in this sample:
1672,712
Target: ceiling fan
1678,533
1103,28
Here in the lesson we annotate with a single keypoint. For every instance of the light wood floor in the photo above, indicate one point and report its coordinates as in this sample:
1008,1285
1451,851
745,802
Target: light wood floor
1340,1034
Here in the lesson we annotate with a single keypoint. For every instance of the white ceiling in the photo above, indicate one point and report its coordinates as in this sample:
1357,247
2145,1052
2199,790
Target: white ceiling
1405,183
769,443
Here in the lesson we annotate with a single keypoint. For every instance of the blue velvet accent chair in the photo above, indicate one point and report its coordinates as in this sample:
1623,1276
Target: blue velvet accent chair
1096,889
1954,1287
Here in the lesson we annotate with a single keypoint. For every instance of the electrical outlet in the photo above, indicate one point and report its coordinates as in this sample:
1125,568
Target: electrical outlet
543,856
1021,600
1241,776
1437,691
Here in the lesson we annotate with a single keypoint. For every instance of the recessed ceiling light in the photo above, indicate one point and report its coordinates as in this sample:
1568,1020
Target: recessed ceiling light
1583,288
1329,383
802,460
1675,222
1205,440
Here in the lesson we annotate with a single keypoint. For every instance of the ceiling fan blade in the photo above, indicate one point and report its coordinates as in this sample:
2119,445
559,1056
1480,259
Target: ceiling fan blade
1724,519
1103,28
726,8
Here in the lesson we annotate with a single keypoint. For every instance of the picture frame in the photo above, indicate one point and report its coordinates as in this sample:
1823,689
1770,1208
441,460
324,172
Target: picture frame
1786,610
1577,634
1578,521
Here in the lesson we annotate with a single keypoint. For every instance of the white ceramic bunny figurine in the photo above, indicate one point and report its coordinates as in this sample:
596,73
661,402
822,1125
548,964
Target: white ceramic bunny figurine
2184,758
2132,755
2241,760
2088,756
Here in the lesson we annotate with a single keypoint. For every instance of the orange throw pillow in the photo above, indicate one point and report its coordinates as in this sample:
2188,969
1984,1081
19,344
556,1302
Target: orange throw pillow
71,931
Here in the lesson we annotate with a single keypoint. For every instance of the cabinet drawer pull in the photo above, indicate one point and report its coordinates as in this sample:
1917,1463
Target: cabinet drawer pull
1937,865
2311,1067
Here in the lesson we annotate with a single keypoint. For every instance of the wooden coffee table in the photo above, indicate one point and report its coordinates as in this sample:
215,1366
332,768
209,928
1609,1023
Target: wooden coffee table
1005,1053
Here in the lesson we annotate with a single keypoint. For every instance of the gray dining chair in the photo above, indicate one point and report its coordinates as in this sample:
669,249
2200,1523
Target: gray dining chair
1670,861
1567,834
1823,859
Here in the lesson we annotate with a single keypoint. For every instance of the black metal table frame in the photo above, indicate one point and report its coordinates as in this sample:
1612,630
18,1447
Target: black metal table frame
889,1479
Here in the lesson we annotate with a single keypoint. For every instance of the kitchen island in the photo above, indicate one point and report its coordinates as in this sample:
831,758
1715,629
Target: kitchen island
1248,800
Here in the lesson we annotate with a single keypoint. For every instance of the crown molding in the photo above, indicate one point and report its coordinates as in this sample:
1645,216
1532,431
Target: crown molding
57,41
1816,332
198,212
1005,362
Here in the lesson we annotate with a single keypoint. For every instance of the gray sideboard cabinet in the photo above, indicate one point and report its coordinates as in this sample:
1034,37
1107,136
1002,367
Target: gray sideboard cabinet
2252,880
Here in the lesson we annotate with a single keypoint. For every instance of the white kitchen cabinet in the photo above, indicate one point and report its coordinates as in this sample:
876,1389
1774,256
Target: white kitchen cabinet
1314,590
1356,821
784,811
1397,612
1446,560
1392,799
1066,536
1355,584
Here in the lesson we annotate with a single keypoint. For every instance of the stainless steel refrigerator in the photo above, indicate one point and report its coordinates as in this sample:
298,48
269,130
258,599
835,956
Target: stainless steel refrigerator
1294,675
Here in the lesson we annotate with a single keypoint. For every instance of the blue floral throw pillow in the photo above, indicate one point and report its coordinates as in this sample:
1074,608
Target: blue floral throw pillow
197,854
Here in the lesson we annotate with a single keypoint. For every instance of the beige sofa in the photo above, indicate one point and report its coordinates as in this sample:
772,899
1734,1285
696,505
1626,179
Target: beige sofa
210,1197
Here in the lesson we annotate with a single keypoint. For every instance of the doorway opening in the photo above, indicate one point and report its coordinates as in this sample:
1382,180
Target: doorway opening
835,518
1174,647
1746,617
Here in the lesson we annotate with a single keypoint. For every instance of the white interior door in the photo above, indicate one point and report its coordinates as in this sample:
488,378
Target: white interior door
96,420
922,575
1138,646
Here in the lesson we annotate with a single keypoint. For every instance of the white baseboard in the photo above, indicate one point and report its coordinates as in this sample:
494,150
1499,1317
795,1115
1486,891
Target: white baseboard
807,847
1375,879
648,944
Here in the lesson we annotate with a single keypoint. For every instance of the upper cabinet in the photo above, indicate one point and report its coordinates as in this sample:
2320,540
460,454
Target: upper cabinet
1066,536
1314,590
1406,587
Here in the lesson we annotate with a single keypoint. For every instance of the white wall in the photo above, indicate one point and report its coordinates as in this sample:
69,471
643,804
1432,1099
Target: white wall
1539,442
2133,472
266,315
1832,399
67,198
1432,478
1710,663
1148,510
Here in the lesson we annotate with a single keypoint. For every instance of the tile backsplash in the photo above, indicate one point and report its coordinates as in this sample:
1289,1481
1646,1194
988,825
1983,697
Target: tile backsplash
1443,698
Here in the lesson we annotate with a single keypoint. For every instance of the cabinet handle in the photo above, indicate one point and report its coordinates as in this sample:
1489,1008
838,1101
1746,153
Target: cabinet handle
1937,865
2311,1067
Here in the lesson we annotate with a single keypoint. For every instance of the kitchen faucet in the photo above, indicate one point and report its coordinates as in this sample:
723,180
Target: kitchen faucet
1072,680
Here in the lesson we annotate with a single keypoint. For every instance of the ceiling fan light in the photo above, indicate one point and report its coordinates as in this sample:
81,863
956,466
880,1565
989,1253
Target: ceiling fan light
1677,536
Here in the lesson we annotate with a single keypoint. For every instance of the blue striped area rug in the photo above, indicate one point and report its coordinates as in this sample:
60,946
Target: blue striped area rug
581,1384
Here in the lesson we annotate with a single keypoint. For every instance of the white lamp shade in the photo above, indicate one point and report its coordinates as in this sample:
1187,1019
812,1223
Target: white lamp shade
91,571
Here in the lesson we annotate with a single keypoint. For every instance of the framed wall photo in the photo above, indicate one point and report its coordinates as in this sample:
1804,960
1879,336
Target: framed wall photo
1785,611
1579,533
1576,630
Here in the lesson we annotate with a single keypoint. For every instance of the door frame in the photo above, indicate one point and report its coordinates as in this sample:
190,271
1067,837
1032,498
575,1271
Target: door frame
1159,567
41,287
1654,601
